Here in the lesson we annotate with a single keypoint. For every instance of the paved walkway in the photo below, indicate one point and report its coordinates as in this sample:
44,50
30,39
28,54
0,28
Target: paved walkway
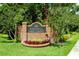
75,50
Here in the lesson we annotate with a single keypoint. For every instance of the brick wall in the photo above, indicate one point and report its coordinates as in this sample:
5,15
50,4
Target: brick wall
24,35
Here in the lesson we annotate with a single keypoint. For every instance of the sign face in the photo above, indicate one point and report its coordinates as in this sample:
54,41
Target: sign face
36,28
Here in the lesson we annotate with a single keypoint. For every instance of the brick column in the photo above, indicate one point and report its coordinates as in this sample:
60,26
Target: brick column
48,30
24,31
50,33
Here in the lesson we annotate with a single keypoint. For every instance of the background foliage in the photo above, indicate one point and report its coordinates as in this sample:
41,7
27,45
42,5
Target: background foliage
63,18
12,14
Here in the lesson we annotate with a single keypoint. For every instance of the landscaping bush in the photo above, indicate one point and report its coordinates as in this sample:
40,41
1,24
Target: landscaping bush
66,36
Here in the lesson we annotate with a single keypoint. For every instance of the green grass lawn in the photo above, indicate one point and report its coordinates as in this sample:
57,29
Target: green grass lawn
17,49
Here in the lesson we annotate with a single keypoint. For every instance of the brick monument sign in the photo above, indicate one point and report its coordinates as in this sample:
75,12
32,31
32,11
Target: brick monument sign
30,35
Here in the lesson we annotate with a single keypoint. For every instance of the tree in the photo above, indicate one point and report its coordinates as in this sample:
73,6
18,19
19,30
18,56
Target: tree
60,19
12,14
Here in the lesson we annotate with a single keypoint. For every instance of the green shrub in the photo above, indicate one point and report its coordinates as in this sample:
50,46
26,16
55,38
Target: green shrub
66,36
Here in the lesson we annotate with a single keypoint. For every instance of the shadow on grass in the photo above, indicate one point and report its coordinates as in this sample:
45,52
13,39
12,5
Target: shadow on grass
61,44
5,40
55,45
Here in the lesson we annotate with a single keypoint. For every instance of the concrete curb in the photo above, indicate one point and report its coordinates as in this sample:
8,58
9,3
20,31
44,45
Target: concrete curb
75,50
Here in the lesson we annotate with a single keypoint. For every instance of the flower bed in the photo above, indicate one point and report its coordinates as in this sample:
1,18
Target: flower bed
36,43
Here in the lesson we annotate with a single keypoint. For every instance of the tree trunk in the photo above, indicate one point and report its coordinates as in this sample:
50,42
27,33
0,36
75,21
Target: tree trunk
11,34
